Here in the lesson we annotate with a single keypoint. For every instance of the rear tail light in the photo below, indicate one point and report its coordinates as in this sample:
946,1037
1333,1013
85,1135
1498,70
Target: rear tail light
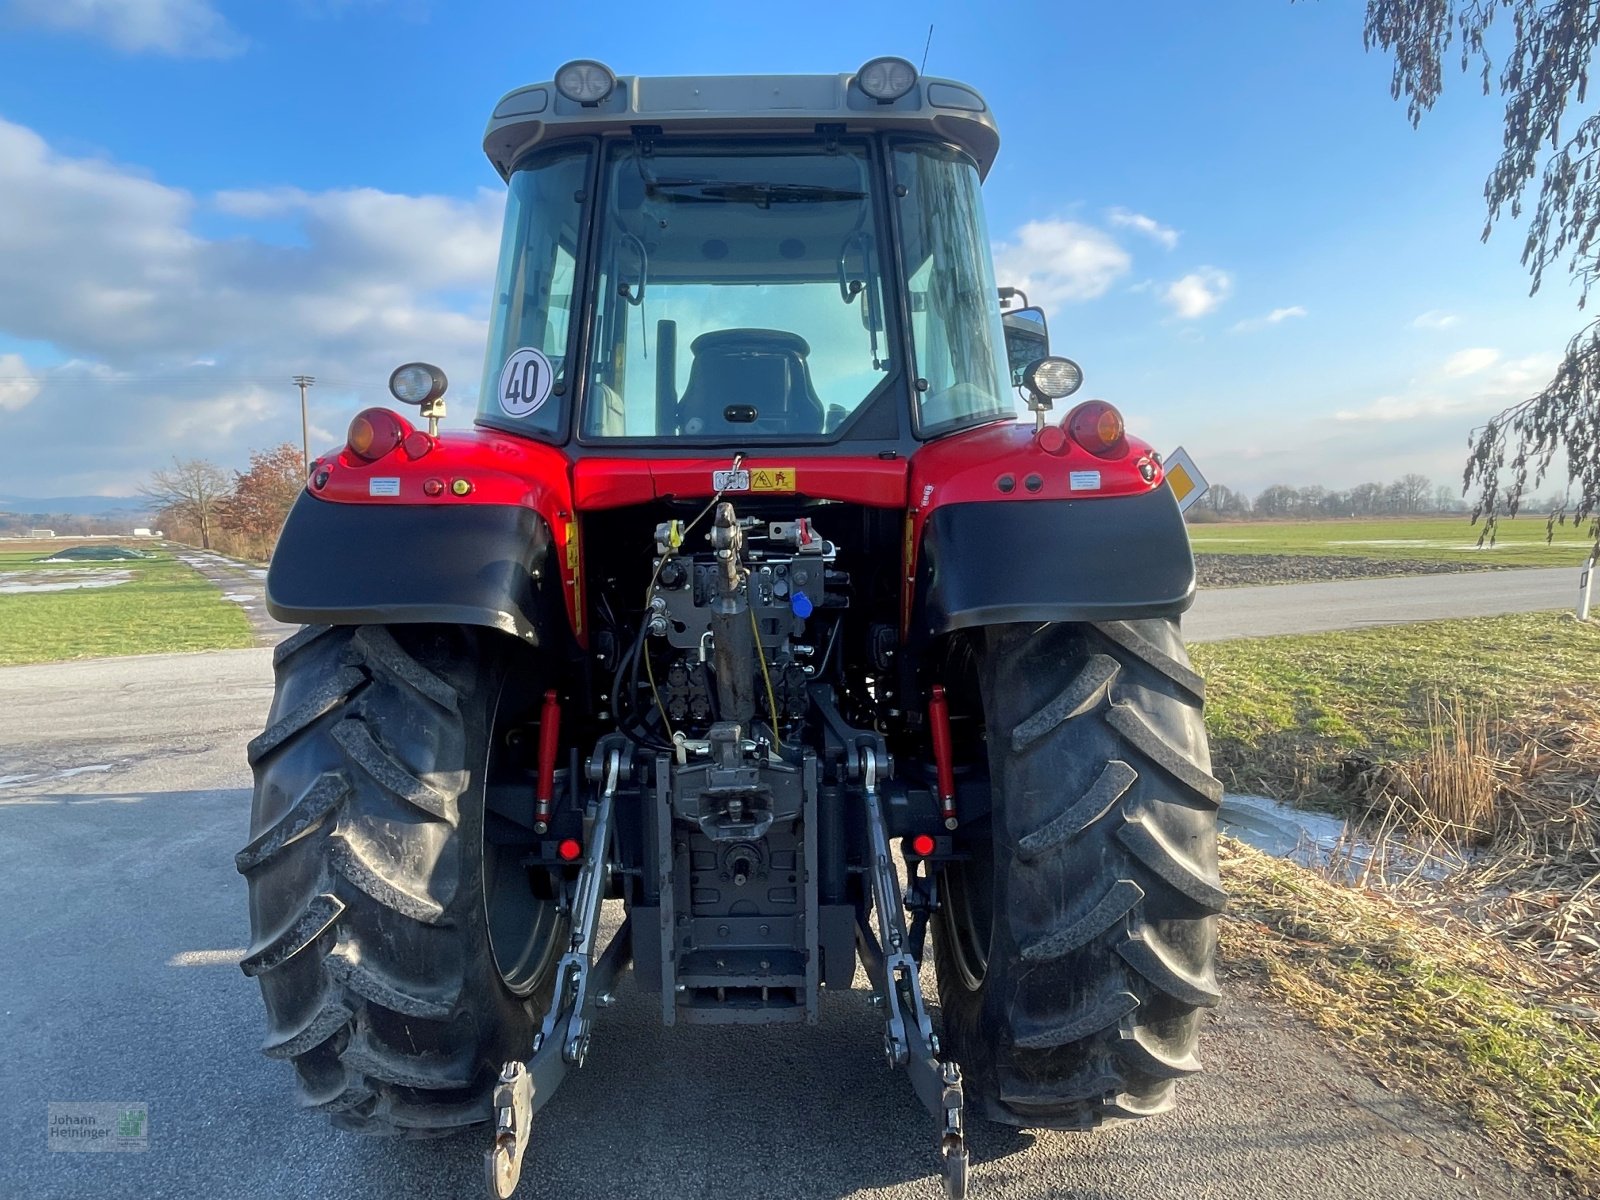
1098,428
921,845
376,432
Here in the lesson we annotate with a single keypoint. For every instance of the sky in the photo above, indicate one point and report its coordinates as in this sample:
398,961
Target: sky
1233,227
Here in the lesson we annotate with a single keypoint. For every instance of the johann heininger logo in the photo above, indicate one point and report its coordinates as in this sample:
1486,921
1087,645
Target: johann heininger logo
99,1126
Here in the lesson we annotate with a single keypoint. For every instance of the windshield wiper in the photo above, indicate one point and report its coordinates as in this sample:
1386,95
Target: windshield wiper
763,195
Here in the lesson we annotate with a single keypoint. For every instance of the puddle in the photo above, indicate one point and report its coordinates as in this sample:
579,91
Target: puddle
14,583
1325,843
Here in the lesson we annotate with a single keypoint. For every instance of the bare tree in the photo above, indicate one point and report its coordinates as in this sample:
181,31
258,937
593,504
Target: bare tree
193,490
1415,492
1545,73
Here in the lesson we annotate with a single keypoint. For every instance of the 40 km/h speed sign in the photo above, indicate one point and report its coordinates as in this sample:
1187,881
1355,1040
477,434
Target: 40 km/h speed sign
1184,478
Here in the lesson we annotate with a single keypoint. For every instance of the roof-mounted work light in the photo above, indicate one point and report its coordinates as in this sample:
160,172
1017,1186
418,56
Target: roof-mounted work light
585,81
887,79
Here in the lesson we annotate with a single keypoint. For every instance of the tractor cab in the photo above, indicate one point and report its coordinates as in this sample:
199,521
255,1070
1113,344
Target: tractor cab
780,259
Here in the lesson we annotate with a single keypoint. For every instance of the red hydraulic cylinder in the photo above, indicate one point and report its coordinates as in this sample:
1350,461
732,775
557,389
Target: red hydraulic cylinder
939,725
549,742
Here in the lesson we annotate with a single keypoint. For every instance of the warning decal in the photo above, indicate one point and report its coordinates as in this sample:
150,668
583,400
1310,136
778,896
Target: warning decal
772,479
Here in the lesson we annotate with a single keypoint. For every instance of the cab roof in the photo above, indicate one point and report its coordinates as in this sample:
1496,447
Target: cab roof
740,104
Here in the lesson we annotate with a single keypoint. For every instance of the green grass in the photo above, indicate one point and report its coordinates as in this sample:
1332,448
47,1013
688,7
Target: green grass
1519,543
1283,712
1450,1012
165,607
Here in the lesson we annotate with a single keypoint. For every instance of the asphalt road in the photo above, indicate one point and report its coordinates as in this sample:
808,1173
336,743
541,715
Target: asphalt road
123,796
1221,613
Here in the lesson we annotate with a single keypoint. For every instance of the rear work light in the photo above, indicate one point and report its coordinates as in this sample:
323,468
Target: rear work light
1098,428
375,432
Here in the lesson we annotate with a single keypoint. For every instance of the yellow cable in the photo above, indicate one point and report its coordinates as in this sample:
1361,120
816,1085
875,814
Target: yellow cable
772,700
650,671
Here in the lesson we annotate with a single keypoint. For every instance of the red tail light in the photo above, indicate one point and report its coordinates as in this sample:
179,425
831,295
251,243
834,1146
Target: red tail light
1097,427
922,845
376,432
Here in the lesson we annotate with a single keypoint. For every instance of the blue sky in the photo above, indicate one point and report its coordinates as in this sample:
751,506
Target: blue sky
1235,229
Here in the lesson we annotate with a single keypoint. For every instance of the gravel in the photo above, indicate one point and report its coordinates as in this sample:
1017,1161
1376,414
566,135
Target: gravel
1243,570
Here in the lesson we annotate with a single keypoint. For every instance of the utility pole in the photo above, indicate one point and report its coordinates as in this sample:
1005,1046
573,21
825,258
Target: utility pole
305,381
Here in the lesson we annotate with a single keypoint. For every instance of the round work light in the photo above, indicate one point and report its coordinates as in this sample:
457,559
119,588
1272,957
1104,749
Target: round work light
417,383
585,81
887,79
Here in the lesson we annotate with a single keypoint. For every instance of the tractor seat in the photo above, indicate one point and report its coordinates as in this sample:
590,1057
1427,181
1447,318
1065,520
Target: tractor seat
763,369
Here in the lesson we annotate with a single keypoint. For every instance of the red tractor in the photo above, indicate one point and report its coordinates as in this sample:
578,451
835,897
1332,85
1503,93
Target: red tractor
763,568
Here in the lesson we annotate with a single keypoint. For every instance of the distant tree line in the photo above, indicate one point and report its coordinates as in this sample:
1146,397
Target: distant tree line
1410,495
238,512
15,524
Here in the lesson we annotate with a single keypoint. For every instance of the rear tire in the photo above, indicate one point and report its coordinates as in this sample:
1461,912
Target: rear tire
1077,945
368,872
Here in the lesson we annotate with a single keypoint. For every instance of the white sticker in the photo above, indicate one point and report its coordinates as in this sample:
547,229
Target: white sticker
525,382
383,485
730,481
1084,481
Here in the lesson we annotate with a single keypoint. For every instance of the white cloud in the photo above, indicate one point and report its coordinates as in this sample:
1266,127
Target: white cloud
1198,293
1165,235
1467,387
184,344
1275,317
17,384
1058,262
179,28
1434,319
1469,362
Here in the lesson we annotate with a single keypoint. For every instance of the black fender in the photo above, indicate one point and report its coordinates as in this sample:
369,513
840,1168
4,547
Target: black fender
382,564
1001,561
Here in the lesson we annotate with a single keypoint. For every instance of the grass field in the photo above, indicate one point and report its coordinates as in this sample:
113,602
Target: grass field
1519,543
1478,990
164,607
1284,712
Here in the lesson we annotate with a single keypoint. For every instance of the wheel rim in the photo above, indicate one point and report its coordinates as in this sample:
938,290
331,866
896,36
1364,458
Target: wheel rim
524,928
969,914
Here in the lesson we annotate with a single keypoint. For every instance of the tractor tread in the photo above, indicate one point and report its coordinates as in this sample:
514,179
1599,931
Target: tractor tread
1126,721
360,861
1129,1107
325,1021
1047,1096
1104,1013
426,1071
388,772
1131,640
378,647
381,989
297,641
1144,838
315,919
1103,794
323,700
1146,1053
304,817
1079,695
1143,951
1074,996
369,983
1117,903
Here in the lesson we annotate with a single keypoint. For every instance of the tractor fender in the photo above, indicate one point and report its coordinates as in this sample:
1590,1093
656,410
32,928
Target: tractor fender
993,562
368,564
